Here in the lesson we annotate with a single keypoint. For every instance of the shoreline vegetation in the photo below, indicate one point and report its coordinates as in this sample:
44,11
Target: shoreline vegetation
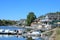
7,22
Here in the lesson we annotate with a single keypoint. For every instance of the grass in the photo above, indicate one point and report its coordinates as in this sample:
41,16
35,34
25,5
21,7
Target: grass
57,37
57,34
58,31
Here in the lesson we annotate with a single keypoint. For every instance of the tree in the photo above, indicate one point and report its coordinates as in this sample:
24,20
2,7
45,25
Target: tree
7,22
30,18
0,22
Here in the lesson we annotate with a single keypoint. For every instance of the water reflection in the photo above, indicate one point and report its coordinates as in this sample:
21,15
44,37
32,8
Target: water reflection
15,37
11,37
6,36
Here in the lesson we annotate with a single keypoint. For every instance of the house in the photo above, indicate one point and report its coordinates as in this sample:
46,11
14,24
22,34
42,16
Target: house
21,22
46,22
42,24
51,19
53,16
36,22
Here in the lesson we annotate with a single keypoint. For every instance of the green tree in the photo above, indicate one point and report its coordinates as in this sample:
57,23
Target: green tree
7,22
30,18
0,22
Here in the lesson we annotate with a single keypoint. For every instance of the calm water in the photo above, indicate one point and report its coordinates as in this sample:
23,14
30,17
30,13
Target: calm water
11,38
7,37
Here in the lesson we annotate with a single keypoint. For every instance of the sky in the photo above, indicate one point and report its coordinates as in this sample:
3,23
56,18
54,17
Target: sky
19,9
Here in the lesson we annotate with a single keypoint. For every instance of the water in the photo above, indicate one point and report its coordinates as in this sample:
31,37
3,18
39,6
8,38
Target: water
10,27
11,37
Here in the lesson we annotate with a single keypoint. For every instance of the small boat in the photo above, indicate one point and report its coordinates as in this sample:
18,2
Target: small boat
1,30
35,33
6,31
11,31
33,37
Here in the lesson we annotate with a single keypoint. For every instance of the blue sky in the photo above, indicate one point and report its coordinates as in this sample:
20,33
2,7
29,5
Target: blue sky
19,9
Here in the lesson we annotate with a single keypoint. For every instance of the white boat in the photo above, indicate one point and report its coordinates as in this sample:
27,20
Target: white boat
11,31
6,31
33,37
35,33
1,30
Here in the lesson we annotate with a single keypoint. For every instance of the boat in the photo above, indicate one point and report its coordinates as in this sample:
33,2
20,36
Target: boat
6,31
1,30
